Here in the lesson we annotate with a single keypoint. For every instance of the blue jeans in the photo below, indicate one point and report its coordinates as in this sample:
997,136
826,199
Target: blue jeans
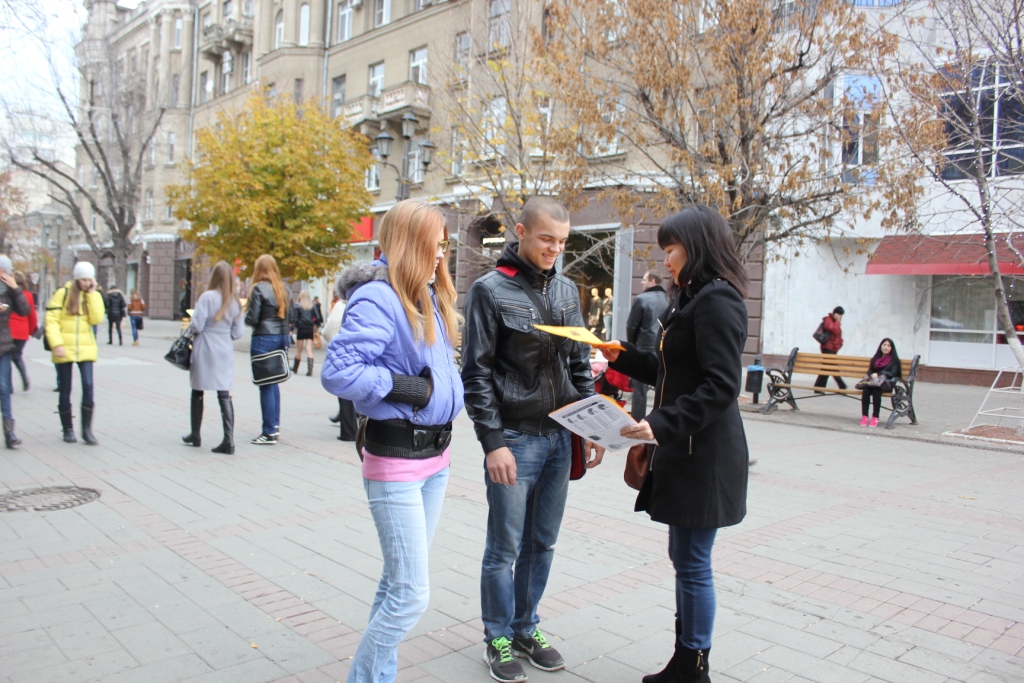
5,385
690,552
270,394
135,326
65,372
522,527
406,515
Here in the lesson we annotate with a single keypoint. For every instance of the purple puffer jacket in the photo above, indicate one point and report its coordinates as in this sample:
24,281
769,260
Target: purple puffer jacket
375,340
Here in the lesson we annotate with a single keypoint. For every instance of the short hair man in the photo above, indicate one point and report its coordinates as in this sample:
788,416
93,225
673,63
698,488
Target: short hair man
515,375
644,330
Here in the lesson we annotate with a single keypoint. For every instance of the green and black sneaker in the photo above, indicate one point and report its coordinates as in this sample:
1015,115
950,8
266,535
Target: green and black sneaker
536,649
498,657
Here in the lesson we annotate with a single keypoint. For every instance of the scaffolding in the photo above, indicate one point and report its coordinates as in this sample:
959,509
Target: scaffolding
1003,403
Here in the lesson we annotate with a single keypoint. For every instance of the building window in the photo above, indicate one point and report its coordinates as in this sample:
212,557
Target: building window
151,152
94,180
421,4
169,212
345,21
207,19
177,33
279,31
247,68
499,28
175,86
147,210
304,25
170,148
381,13
248,8
418,65
458,153
226,10
204,87
299,86
462,52
338,95
860,128
376,79
494,126
413,163
81,174
986,116
227,65
92,224
373,178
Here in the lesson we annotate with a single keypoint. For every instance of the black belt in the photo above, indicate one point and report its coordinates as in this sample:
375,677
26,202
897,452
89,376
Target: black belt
404,439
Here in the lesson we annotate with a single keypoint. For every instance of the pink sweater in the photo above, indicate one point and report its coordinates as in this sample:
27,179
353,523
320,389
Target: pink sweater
377,468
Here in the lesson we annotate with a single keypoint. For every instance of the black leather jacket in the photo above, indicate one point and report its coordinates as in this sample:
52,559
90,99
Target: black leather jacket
642,327
261,311
512,372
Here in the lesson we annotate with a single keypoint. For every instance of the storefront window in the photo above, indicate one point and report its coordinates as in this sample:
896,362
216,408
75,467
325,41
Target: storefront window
964,328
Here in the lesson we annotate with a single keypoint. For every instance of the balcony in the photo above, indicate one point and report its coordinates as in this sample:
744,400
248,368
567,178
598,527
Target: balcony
360,113
394,102
216,39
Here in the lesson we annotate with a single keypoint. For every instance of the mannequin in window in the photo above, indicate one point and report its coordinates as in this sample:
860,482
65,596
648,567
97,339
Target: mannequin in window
594,316
606,310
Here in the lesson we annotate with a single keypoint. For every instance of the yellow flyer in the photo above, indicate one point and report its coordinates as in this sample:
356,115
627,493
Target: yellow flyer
580,334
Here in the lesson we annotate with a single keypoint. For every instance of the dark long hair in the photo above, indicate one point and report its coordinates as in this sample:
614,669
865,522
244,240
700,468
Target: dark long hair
710,249
895,356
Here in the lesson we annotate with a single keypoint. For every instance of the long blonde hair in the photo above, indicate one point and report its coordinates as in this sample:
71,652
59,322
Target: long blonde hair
76,298
222,279
407,238
304,301
266,270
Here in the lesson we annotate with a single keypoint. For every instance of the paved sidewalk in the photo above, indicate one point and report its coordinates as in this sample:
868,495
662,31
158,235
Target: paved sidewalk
863,558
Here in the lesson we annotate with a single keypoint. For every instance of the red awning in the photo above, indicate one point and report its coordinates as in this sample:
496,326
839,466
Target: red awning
941,255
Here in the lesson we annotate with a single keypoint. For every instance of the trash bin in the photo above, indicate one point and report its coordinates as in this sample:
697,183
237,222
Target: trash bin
755,380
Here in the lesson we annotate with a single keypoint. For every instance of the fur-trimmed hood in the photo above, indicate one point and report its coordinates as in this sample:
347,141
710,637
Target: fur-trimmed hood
355,276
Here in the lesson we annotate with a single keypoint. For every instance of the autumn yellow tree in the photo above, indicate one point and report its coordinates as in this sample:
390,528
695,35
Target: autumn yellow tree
278,178
767,111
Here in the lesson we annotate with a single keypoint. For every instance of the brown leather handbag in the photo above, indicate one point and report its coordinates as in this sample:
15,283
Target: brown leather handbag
636,466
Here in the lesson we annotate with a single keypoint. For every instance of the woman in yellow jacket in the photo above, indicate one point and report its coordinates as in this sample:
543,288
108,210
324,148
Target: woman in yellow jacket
70,317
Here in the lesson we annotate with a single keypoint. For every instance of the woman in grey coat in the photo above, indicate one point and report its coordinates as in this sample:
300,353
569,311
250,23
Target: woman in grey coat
217,322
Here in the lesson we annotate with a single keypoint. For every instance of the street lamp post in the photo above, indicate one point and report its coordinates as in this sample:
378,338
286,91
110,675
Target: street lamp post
44,287
385,141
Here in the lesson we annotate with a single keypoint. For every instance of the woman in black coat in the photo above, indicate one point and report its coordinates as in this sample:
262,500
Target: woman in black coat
885,364
697,478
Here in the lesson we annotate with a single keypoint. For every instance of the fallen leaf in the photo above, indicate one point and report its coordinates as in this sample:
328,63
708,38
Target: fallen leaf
967,498
254,646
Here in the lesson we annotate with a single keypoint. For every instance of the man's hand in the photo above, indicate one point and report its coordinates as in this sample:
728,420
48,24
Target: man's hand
60,352
612,355
594,453
501,466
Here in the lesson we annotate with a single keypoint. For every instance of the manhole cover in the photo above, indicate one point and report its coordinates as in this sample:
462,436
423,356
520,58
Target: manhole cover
46,498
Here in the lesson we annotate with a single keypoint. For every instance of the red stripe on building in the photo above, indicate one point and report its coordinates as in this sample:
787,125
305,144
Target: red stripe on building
942,255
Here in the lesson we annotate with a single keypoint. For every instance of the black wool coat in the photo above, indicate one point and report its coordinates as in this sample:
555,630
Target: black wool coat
698,472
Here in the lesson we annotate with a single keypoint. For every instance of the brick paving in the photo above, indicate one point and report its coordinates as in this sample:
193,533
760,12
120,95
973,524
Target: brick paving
862,558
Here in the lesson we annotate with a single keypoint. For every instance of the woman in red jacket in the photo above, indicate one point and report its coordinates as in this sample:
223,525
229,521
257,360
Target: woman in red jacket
833,325
22,327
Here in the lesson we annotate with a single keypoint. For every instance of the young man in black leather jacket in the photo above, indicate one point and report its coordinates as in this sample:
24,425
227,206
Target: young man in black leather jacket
514,375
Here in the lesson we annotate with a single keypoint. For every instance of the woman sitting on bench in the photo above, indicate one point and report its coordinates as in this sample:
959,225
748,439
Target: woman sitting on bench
885,364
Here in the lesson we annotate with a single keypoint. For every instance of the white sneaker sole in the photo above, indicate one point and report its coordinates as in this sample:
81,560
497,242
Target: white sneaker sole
487,661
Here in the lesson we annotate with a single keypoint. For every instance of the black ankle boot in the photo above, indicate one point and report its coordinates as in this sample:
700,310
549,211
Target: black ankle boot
295,367
192,438
10,439
227,417
309,367
87,436
691,665
668,674
67,424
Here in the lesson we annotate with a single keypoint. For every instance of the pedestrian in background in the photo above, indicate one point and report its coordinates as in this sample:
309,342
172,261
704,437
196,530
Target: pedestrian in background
117,307
346,417
832,325
217,321
884,368
70,315
697,479
643,331
318,311
394,358
12,300
267,314
136,307
304,321
22,327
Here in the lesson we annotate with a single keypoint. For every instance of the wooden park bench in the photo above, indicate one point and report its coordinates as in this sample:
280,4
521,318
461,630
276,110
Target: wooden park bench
781,386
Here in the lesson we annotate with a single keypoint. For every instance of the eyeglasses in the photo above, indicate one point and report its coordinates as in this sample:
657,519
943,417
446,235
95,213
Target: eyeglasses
443,245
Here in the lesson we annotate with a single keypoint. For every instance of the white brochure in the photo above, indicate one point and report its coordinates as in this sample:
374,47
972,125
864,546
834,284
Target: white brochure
597,418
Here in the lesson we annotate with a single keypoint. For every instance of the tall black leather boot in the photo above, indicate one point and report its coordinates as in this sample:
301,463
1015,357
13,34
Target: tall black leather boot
295,366
309,367
10,439
337,418
67,424
87,436
667,675
192,438
227,418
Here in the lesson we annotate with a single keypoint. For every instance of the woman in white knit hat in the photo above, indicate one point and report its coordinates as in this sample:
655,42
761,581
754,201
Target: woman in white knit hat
70,317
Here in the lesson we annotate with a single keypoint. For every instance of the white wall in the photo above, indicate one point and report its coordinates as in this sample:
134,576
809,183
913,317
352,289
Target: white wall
800,290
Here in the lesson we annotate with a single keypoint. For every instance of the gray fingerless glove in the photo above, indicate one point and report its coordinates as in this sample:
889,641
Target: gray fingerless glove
414,390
